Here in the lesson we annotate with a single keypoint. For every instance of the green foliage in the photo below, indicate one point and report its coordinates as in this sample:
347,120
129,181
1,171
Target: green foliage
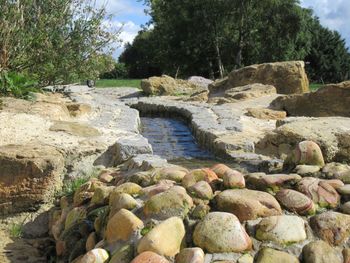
315,86
17,84
117,83
119,71
16,230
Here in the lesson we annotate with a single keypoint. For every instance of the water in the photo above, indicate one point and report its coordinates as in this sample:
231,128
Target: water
172,139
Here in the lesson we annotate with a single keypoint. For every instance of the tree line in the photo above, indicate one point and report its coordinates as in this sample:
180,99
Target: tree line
50,42
212,37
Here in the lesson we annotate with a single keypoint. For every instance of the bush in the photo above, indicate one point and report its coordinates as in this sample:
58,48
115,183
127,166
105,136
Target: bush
119,72
17,85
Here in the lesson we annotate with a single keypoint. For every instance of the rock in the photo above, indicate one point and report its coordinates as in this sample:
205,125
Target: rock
197,175
199,96
248,92
221,232
308,153
91,241
74,128
319,191
320,252
296,202
330,133
345,208
101,195
190,255
269,255
97,255
166,85
106,177
85,192
220,169
127,188
173,202
331,227
176,174
200,211
30,175
246,258
164,239
233,179
288,77
346,255
149,257
322,103
78,109
281,229
307,170
161,187
76,215
337,171
335,183
200,81
201,190
122,225
273,182
248,204
123,255
121,201
344,190
266,114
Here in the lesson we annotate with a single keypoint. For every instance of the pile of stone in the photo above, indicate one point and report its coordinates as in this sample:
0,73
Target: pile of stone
215,214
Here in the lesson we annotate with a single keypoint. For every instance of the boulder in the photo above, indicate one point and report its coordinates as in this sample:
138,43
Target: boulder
296,202
121,201
320,252
200,81
221,233
246,92
248,204
166,85
201,190
164,239
319,191
281,229
30,175
324,102
269,255
274,182
149,257
173,202
288,77
266,114
190,255
331,227
173,173
121,226
337,171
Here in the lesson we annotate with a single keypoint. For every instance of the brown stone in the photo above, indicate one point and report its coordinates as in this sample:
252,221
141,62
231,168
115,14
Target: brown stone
149,257
74,128
29,176
266,114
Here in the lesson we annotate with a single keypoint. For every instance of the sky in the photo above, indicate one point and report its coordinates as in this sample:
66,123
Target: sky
334,14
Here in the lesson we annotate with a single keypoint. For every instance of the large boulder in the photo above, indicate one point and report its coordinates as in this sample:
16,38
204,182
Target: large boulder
331,100
29,176
287,77
166,85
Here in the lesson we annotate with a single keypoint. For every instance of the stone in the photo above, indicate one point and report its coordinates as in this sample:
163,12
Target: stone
166,85
345,208
322,103
307,153
319,192
273,182
75,128
296,202
121,226
190,255
269,255
124,254
85,192
197,175
220,169
30,175
266,114
337,171
78,109
199,96
97,255
200,211
344,190
320,252
332,227
101,195
233,179
176,174
158,188
221,232
346,255
288,77
200,81
201,190
307,170
91,241
106,177
74,216
173,202
246,92
127,188
335,183
121,201
248,204
149,257
281,229
164,239
246,258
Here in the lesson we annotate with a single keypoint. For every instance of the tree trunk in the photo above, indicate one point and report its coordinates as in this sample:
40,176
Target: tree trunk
218,57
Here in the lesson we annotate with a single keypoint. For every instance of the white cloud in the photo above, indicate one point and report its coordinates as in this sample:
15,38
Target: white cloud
334,14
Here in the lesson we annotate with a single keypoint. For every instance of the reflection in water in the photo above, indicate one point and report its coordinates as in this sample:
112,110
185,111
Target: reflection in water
172,139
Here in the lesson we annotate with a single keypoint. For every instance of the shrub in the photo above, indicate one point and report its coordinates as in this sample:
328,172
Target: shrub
17,85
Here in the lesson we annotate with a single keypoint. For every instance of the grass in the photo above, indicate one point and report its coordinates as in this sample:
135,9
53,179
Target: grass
315,86
117,83
16,230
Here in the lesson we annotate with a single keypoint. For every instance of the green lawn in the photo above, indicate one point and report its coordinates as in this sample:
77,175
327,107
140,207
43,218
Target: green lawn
315,86
111,83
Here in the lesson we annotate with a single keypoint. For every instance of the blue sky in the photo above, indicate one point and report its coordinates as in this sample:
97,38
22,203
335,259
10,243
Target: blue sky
334,14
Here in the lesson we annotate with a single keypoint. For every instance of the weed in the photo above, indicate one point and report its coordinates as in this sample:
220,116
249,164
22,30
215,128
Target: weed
16,230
